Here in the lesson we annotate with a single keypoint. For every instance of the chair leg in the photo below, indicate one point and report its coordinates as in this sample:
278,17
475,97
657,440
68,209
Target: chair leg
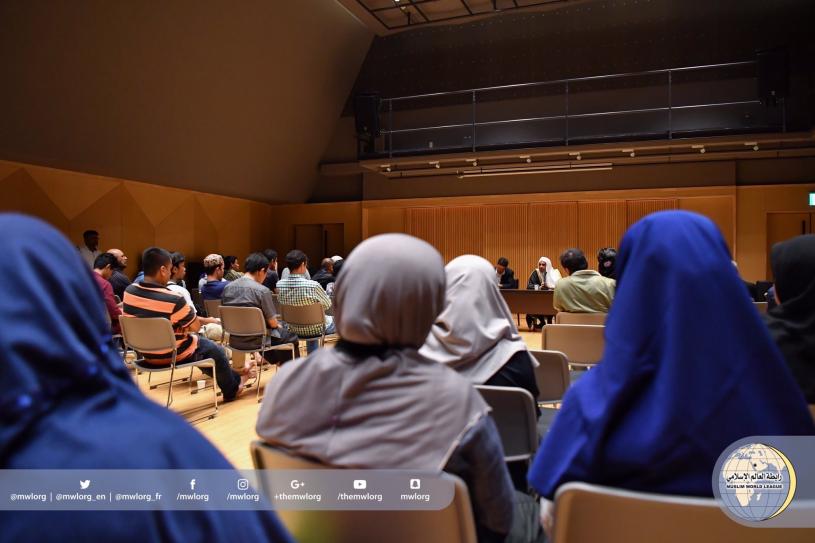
170,387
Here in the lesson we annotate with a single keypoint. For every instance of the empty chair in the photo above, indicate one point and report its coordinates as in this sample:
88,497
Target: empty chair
305,315
513,410
587,513
155,335
212,308
564,317
553,379
249,322
581,343
451,524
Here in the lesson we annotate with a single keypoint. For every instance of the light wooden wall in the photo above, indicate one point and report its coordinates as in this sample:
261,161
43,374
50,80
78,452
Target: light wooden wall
133,216
523,228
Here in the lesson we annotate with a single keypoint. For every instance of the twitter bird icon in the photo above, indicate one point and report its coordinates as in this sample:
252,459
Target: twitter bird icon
85,484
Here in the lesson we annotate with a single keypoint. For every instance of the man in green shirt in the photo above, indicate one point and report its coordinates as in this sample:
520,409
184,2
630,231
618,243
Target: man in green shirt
584,290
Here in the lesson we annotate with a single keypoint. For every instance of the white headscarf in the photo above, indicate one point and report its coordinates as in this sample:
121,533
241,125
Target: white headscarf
475,334
552,273
373,401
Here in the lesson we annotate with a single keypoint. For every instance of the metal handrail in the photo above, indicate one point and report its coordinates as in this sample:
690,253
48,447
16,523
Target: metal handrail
473,124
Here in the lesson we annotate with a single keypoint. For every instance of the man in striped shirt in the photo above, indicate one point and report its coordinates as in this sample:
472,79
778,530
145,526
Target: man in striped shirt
295,289
152,298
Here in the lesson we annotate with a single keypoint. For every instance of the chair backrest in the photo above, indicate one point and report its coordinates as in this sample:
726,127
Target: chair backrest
514,413
148,335
552,375
582,343
242,321
212,307
587,513
761,306
303,315
564,317
451,524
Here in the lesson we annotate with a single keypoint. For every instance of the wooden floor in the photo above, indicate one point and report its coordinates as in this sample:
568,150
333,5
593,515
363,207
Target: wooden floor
233,428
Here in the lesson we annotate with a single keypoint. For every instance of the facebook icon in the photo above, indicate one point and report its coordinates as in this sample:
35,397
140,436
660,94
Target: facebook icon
192,484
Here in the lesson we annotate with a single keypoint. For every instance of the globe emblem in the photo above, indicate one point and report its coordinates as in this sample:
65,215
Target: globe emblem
756,482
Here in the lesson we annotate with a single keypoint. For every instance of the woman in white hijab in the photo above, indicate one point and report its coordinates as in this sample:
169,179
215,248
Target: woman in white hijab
475,334
374,402
544,277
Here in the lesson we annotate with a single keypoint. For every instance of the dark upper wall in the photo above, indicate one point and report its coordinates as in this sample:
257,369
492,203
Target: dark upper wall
592,38
236,98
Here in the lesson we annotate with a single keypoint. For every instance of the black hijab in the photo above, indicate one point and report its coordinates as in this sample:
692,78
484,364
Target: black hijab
792,324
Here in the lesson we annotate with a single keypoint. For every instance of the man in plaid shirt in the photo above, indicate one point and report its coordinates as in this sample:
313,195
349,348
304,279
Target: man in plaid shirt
295,289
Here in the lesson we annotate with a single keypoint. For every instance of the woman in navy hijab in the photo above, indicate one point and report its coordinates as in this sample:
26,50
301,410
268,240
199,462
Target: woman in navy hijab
688,368
67,402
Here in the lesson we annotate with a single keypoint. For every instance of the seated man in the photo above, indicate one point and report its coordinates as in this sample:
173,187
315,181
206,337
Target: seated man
152,298
296,289
584,290
271,274
231,268
119,281
103,268
504,274
213,288
326,273
248,291
212,325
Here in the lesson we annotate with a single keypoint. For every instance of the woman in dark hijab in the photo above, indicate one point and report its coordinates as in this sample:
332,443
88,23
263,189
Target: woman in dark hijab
67,402
684,373
792,322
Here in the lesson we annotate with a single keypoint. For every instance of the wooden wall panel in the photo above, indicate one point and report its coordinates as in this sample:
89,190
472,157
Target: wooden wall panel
600,224
721,210
427,223
463,232
382,220
553,228
637,209
132,216
506,233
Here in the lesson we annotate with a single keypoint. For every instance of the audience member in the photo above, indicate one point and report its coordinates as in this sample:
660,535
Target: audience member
287,271
681,378
249,291
213,288
338,404
119,281
152,298
175,284
792,321
69,403
584,290
231,268
329,288
606,260
271,275
90,247
504,274
336,258
326,273
103,268
475,335
544,277
297,289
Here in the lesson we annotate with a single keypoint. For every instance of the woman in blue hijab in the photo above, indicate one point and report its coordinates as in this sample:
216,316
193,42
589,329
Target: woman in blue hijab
67,402
688,368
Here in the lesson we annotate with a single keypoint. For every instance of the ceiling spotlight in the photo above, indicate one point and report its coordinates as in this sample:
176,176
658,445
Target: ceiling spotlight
527,158
388,169
576,155
701,148
753,144
630,152
435,164
475,163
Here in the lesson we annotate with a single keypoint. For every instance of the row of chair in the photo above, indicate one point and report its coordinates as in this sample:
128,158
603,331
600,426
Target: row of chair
584,513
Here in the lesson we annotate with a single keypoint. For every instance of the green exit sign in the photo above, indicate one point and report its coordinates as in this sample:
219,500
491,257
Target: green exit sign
812,199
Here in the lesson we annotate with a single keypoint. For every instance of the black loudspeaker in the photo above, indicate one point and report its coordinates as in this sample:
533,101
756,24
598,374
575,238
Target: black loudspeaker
366,113
773,75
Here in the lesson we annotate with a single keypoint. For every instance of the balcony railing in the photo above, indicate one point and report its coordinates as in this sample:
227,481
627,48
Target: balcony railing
689,101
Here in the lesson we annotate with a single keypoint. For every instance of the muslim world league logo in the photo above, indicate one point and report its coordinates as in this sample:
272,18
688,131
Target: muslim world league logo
757,482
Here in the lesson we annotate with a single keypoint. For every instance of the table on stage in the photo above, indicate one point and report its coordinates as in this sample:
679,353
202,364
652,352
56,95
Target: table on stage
529,302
